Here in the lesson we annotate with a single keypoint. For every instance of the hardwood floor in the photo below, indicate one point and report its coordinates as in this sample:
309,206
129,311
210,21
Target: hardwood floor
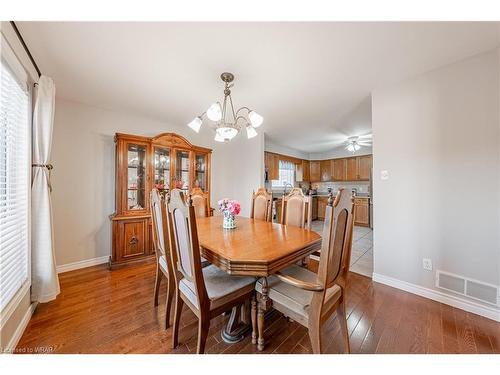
102,311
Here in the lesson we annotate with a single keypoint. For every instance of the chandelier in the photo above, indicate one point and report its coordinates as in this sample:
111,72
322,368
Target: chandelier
228,125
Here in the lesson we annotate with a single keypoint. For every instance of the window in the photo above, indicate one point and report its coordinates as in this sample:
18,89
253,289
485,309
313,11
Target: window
287,174
14,177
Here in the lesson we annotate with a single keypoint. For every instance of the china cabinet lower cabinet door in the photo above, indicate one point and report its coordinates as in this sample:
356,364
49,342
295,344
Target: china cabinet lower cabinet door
130,239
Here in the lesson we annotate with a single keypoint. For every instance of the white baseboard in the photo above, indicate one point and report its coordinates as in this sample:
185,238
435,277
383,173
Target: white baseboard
436,295
82,264
20,329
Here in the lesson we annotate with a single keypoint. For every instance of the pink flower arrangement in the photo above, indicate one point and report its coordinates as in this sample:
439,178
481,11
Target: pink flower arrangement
230,206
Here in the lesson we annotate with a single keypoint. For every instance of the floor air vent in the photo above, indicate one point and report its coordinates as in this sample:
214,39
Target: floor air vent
471,288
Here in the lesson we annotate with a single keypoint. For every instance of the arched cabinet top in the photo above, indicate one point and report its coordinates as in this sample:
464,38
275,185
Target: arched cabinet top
164,139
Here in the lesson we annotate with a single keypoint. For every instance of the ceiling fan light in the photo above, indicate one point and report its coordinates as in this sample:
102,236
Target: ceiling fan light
350,147
251,132
214,112
255,119
356,147
195,124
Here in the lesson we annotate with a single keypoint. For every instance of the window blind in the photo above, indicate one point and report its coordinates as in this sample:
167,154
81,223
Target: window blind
14,181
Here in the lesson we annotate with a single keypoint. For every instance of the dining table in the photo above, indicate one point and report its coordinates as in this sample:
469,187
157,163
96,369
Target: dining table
254,248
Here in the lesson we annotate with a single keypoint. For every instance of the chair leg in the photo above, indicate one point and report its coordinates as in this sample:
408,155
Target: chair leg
177,317
254,319
157,284
203,327
343,325
315,336
168,304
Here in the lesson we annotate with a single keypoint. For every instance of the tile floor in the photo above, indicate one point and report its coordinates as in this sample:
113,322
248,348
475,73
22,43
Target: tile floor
362,248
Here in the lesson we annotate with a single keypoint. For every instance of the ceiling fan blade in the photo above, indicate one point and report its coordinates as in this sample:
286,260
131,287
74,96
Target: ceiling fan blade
366,136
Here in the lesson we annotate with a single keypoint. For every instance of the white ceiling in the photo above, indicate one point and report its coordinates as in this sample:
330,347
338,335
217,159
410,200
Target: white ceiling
304,78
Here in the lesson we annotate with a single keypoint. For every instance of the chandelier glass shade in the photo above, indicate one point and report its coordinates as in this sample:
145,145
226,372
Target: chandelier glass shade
228,122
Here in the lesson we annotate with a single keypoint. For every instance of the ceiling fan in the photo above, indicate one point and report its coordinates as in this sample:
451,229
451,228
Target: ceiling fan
354,143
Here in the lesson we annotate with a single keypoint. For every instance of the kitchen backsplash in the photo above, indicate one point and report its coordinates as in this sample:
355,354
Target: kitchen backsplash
322,187
361,187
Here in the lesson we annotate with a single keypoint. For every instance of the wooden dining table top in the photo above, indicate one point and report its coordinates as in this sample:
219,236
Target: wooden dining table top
254,247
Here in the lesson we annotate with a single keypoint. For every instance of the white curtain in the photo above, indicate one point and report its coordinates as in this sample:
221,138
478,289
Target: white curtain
44,280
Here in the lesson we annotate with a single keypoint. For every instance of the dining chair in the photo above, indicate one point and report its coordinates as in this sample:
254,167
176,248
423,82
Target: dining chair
296,209
208,291
200,202
309,298
262,202
162,251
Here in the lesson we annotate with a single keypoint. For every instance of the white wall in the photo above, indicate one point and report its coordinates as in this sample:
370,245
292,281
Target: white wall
283,150
438,136
83,176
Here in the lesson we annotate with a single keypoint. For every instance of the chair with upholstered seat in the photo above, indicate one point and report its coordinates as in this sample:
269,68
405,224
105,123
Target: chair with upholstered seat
309,298
162,251
296,209
261,205
208,291
200,202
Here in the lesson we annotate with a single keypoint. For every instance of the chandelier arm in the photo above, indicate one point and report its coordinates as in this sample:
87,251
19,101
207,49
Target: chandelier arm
244,119
232,107
238,111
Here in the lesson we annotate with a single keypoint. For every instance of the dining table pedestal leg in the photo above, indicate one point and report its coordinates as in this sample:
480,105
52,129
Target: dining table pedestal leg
238,325
264,304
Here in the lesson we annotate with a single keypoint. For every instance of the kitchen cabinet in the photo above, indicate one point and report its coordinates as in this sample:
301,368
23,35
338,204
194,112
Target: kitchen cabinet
362,211
326,170
351,169
364,167
302,171
314,208
358,168
315,171
272,163
339,169
306,175
322,202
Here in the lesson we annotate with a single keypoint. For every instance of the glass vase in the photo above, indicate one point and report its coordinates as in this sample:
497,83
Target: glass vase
229,221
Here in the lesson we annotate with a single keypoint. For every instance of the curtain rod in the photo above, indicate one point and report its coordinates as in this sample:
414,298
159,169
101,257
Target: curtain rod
25,47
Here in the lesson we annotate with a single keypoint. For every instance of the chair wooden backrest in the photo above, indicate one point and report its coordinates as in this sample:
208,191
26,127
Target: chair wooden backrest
296,209
261,205
200,202
185,249
336,246
160,228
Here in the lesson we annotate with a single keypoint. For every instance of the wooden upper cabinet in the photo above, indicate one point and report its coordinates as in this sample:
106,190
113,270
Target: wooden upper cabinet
351,169
339,169
326,170
306,175
364,167
272,165
315,171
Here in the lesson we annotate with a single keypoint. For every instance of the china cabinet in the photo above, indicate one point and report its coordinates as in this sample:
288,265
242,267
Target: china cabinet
166,161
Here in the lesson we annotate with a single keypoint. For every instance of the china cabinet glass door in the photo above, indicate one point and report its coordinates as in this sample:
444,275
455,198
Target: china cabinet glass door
200,172
136,177
161,168
182,170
